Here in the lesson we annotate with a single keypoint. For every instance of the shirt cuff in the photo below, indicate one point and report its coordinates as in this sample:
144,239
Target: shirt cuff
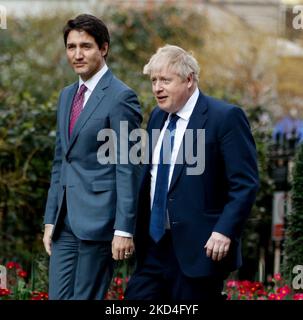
123,234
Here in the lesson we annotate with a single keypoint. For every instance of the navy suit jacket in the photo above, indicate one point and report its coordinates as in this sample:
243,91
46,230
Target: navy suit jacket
219,199
99,197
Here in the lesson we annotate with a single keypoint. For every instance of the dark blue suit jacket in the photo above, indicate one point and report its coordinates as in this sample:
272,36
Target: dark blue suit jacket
219,199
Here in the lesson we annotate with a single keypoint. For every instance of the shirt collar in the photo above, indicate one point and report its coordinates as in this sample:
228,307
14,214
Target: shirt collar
186,111
92,82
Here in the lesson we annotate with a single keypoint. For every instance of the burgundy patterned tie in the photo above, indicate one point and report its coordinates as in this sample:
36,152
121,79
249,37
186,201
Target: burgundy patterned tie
77,107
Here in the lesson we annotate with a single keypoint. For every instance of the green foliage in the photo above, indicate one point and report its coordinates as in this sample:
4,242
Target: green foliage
257,232
293,249
25,146
32,72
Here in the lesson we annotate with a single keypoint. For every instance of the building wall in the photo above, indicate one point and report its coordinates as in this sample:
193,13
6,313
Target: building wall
261,14
264,15
36,7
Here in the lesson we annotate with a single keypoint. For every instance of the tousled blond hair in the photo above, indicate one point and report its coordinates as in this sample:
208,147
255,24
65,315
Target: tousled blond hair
175,59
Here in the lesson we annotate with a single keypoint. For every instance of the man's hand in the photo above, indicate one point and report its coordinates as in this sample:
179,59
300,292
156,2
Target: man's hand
47,240
122,247
217,246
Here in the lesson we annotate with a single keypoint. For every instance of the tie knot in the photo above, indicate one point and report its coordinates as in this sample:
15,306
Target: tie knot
82,89
174,117
172,122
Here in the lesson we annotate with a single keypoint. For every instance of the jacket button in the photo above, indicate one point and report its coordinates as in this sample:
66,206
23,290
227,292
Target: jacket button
171,199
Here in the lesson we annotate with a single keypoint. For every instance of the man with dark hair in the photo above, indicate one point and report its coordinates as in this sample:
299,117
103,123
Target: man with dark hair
92,25
90,210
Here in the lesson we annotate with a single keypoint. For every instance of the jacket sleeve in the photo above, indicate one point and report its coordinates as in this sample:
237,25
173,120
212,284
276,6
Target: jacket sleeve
238,149
52,198
127,172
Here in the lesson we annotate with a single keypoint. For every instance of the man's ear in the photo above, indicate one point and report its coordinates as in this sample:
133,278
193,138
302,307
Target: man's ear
190,80
104,49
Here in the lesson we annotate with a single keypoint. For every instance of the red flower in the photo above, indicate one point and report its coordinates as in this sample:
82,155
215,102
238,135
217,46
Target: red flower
285,290
10,265
277,276
4,292
272,296
22,273
118,281
298,296
261,292
39,295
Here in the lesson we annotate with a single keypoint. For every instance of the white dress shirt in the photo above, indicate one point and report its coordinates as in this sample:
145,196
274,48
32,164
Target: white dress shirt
184,115
90,85
92,82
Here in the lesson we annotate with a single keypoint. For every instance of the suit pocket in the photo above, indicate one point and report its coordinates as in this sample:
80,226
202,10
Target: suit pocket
105,185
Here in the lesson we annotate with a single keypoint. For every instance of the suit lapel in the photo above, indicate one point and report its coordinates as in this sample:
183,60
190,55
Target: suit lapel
66,102
197,120
93,101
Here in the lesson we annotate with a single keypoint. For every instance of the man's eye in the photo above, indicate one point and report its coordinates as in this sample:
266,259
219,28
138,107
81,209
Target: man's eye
166,81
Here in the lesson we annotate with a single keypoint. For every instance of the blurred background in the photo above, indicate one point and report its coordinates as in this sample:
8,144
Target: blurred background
250,53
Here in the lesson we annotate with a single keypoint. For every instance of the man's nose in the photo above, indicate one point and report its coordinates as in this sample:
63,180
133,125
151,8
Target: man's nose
158,86
78,53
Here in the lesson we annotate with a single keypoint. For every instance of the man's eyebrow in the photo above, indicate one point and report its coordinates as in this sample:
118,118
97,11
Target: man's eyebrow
81,43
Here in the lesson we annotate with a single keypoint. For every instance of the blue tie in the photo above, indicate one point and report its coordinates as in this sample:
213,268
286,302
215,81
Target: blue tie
158,212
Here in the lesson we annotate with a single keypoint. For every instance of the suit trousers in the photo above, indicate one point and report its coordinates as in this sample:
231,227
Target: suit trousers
78,269
159,277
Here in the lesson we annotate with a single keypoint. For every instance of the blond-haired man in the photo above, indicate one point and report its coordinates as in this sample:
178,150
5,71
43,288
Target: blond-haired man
189,222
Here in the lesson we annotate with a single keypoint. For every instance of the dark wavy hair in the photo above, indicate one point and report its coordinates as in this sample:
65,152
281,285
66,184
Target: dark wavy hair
90,24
